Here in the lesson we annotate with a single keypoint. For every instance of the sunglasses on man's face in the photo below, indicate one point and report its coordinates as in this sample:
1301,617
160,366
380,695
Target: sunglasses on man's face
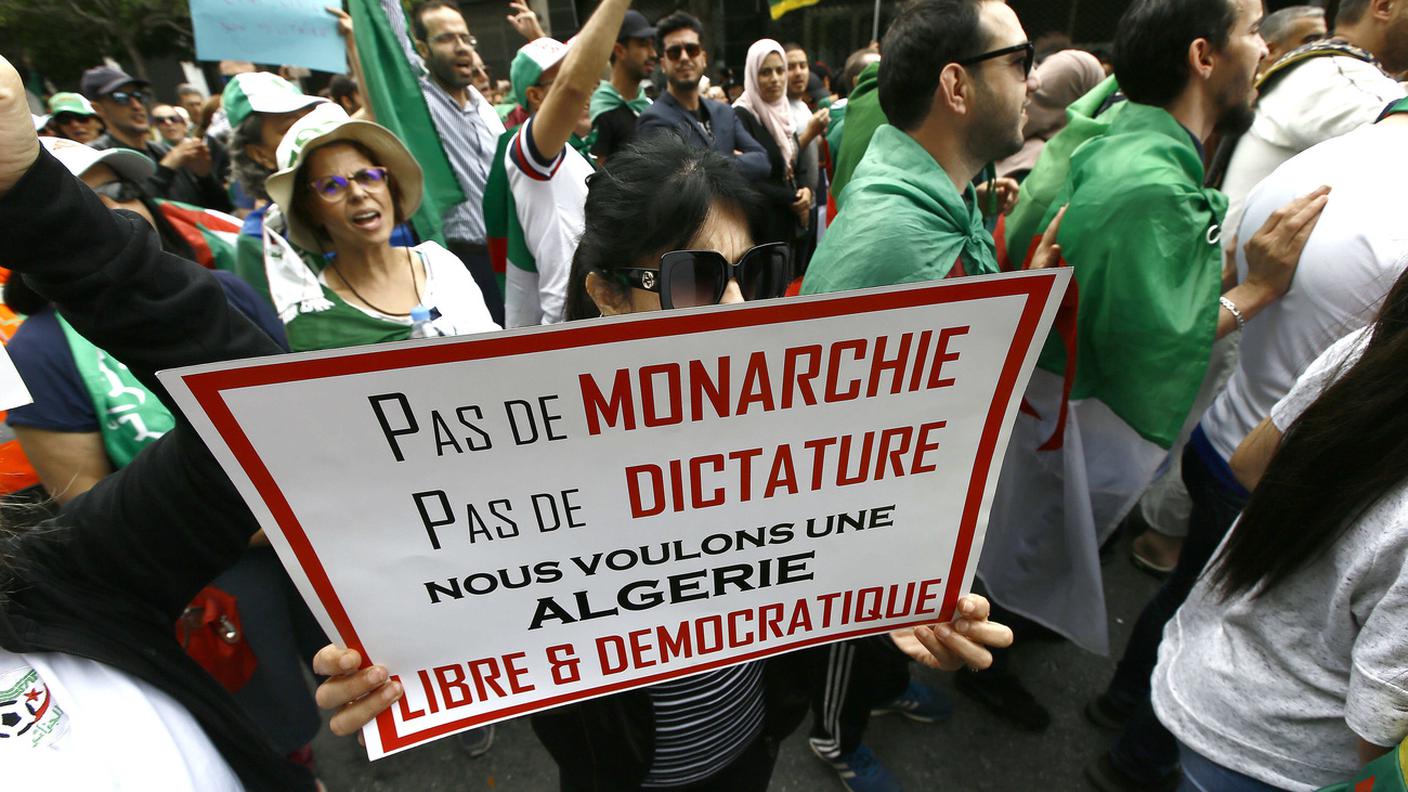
1027,49
123,97
674,50
691,278
120,191
333,188
166,119
69,118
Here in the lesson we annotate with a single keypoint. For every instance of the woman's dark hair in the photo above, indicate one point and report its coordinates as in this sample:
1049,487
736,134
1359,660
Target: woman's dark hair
649,199
250,174
1344,453
1151,44
303,194
927,36
20,298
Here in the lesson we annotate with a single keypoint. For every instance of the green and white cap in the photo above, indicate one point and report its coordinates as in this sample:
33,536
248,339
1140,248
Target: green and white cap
78,158
329,123
67,102
262,92
534,58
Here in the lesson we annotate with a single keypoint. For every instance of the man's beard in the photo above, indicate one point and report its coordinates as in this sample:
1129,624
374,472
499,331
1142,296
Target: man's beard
684,86
1235,120
996,136
446,75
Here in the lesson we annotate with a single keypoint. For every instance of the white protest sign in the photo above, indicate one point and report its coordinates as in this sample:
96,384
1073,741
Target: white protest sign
522,520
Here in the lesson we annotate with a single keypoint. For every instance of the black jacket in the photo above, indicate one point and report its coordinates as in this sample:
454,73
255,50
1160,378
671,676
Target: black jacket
181,184
725,134
779,192
107,577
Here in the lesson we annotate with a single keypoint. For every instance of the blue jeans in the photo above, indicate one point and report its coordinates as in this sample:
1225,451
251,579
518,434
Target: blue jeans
1145,750
1201,774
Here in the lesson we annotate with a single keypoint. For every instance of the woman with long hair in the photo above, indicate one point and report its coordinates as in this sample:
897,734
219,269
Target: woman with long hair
345,186
671,226
763,110
1287,667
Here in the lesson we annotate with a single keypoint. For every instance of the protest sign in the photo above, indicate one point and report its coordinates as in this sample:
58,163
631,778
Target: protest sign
517,521
281,32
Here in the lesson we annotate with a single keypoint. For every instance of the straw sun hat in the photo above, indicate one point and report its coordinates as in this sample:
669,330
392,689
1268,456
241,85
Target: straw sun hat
329,123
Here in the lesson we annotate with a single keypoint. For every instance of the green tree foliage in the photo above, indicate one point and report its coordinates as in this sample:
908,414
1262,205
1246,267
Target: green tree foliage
61,38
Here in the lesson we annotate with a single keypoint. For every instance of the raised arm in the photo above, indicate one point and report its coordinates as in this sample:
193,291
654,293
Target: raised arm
577,78
165,525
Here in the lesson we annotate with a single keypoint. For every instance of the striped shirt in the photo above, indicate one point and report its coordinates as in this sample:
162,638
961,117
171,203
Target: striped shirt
469,135
703,723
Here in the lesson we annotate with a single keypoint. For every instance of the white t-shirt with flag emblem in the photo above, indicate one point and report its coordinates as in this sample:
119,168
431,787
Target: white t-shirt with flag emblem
71,723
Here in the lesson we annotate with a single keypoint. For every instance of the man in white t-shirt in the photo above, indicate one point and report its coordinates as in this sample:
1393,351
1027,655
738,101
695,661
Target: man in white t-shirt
1352,258
1321,91
547,178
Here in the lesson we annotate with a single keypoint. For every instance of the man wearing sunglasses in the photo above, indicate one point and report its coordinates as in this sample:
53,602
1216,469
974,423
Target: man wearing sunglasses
186,172
701,122
954,85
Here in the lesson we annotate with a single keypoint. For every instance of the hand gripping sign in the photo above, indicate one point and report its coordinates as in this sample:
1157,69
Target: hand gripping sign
523,520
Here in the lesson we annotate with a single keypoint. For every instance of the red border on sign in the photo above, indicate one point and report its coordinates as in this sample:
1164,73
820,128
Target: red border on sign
207,389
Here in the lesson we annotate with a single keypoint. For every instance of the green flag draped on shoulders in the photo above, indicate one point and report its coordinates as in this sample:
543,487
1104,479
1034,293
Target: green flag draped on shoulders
606,98
1084,121
862,117
393,91
1143,238
905,222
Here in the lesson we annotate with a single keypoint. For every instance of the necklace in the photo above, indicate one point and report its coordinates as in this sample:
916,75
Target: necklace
410,264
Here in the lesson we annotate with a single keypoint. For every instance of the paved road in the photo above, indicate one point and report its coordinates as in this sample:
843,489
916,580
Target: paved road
973,751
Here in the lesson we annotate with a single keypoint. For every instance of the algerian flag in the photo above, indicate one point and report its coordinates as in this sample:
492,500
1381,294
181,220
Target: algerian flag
780,7
1117,381
210,234
393,89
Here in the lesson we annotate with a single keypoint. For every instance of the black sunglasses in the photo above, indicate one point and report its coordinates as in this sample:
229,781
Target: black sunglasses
1028,61
123,97
691,278
121,191
673,52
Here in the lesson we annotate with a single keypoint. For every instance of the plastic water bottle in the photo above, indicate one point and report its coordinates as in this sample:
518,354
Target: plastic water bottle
420,323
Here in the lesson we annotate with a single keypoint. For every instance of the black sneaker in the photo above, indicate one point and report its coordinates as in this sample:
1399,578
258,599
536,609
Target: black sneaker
1104,776
1104,712
1002,693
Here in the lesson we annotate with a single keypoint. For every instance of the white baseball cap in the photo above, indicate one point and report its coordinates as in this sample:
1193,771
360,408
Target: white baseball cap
262,92
78,158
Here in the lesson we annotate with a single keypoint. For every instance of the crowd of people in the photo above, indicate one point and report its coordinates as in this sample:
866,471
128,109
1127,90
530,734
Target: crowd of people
1221,381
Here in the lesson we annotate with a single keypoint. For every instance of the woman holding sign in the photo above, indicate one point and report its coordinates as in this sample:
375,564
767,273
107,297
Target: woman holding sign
347,184
668,226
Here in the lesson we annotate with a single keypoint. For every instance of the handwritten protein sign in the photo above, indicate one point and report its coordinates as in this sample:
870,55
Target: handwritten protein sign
523,520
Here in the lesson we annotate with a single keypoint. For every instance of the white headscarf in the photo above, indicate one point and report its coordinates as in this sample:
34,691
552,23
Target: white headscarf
776,116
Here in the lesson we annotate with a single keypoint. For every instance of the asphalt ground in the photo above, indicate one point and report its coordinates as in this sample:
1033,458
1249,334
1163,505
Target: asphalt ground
974,750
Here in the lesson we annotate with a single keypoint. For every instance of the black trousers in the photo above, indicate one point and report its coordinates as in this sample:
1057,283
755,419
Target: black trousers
476,259
848,680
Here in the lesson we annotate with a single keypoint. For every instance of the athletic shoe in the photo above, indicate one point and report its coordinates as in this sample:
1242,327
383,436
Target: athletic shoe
476,742
919,703
1003,694
1106,777
860,771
